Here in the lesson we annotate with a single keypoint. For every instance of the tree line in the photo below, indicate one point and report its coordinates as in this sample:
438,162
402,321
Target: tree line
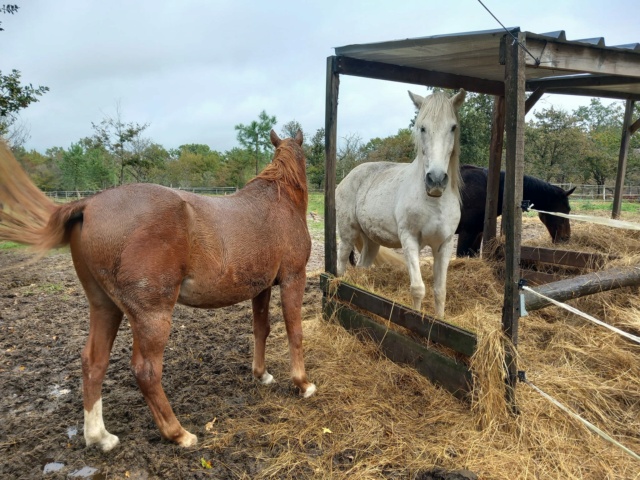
580,146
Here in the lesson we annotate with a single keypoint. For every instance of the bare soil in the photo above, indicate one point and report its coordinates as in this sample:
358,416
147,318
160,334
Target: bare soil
207,377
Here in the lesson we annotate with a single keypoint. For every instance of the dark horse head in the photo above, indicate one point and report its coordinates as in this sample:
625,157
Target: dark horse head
550,198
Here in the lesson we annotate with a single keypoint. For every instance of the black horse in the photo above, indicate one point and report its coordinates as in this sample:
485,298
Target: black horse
543,195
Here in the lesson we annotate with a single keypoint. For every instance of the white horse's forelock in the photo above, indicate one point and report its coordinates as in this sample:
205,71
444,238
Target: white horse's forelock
438,105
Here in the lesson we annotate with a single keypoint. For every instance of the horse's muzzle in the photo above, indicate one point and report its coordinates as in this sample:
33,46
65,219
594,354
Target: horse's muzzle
436,183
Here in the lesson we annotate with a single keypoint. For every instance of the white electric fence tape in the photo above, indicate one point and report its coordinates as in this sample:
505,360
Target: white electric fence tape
588,218
589,425
584,315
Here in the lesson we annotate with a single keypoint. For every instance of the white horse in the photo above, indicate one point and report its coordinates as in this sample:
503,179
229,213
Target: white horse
408,205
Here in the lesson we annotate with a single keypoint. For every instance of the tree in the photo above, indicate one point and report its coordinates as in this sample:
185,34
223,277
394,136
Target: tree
14,97
8,9
255,137
396,148
553,146
290,129
119,139
476,114
315,153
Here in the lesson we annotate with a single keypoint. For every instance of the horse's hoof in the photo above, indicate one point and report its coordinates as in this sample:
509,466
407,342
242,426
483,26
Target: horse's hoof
106,443
187,440
266,378
311,389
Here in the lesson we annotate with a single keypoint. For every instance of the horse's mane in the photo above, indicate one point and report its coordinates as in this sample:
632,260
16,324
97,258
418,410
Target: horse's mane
287,170
435,105
546,195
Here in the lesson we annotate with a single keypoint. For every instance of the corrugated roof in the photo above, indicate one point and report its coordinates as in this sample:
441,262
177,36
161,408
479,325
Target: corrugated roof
578,67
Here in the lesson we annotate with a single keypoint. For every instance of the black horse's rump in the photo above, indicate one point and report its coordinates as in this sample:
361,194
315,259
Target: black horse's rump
474,194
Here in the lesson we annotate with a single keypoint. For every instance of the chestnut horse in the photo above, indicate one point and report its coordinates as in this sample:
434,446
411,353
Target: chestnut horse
138,249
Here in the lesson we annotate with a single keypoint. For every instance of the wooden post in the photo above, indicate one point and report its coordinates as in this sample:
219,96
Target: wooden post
493,176
511,205
622,159
331,134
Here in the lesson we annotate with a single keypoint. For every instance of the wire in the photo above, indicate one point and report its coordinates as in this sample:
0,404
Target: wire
512,35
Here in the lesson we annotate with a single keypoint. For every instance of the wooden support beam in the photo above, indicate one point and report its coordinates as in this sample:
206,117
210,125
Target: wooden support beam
594,92
583,285
533,99
331,138
418,76
581,58
622,159
634,126
576,81
493,174
511,205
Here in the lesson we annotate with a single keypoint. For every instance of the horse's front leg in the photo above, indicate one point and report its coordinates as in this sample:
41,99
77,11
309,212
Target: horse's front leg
441,259
291,293
261,329
411,251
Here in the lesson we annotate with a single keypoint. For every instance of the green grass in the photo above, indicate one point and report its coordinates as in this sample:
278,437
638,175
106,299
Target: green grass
316,203
10,246
578,206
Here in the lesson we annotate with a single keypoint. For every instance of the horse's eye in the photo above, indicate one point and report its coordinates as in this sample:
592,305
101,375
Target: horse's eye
453,129
422,129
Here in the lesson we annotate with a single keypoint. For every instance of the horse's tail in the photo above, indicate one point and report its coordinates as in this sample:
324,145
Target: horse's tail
385,256
27,215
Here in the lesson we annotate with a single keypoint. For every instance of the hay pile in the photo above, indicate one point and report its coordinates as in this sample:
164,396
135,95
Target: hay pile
372,418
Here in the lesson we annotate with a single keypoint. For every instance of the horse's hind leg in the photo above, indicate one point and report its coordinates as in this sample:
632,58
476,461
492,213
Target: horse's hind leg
291,293
369,252
261,329
105,318
150,335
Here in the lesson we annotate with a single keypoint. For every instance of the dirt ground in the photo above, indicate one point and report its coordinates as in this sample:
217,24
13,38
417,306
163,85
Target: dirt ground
43,327
207,377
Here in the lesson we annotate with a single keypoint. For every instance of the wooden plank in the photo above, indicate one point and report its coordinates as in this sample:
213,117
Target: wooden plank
453,376
511,205
593,92
583,285
436,331
493,174
635,126
622,159
582,58
568,258
418,76
331,135
538,278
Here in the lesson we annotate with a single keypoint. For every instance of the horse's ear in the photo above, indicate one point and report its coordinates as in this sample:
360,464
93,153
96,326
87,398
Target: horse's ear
275,139
569,192
458,99
298,138
416,99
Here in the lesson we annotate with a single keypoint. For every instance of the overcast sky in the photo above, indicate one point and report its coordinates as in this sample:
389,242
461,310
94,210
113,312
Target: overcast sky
195,69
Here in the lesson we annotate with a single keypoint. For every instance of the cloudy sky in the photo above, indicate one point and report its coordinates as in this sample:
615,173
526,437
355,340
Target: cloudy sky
195,69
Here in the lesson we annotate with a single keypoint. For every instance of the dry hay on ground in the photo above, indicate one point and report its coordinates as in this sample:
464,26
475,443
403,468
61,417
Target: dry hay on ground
594,372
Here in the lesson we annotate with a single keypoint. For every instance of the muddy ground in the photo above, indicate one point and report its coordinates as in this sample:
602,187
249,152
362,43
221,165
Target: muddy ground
43,327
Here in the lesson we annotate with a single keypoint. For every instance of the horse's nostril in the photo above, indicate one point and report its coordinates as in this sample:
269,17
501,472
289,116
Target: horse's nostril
445,178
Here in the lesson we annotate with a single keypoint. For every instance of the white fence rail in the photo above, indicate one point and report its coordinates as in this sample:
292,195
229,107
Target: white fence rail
74,195
630,193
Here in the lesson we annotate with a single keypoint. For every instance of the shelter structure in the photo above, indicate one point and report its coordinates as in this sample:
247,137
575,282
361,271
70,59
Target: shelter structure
505,63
